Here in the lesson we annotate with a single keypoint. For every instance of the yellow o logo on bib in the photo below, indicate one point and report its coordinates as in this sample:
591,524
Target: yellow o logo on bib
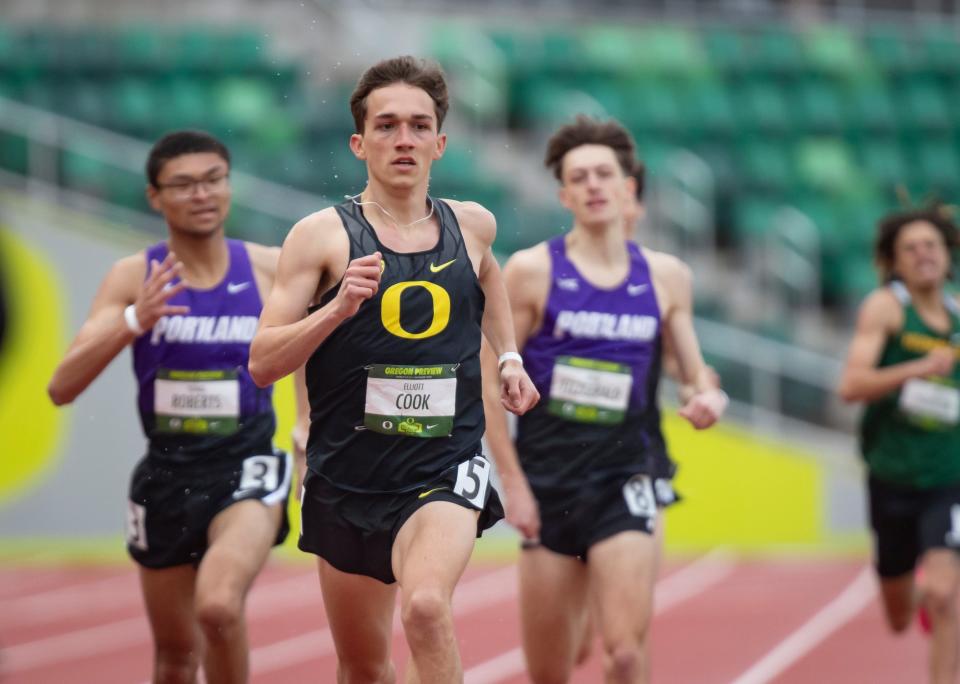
390,309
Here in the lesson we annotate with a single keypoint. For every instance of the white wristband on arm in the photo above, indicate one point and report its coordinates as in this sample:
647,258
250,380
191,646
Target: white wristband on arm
508,356
130,316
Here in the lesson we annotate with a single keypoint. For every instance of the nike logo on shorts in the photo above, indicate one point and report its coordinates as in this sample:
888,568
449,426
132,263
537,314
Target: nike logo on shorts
427,493
234,288
436,269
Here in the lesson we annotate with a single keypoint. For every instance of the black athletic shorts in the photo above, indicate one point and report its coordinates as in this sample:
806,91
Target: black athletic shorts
171,506
572,519
355,531
907,522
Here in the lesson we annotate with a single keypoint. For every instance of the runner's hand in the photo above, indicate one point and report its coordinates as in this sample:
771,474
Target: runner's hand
360,282
522,511
940,361
517,393
705,408
156,291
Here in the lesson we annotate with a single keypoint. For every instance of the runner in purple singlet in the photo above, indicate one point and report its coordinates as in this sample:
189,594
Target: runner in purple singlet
591,310
208,500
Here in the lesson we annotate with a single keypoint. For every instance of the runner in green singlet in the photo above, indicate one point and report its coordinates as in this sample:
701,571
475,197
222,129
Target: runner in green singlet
902,364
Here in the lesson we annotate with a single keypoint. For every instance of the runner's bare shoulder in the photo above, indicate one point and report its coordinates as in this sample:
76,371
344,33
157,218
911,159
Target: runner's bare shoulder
475,219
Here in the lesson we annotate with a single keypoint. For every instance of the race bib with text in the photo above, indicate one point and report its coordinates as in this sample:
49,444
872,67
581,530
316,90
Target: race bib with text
930,404
197,402
590,391
413,401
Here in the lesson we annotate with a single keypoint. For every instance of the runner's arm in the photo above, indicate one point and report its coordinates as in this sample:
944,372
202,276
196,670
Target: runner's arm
105,333
521,507
517,392
862,380
707,402
671,367
286,338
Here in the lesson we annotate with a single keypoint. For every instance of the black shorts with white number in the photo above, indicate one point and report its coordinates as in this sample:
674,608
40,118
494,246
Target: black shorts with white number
572,519
907,522
171,506
355,531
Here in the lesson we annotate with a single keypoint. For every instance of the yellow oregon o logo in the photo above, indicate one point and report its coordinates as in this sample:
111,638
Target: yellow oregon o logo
390,309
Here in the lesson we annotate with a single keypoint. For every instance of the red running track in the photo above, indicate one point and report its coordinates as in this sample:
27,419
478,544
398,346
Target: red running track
719,620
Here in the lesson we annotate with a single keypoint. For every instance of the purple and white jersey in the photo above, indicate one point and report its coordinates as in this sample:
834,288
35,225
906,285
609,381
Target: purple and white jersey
195,391
593,361
619,325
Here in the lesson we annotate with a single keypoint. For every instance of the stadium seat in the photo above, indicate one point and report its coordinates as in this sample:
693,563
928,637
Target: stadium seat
826,163
832,50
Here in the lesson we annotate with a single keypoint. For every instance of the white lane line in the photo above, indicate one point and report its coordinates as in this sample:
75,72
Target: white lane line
847,605
265,600
486,590
669,592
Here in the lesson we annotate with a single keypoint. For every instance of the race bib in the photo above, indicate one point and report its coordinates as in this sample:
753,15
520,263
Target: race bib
413,401
930,404
590,391
197,402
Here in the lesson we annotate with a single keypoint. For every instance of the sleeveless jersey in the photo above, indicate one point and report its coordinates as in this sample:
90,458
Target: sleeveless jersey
912,436
196,398
592,360
395,393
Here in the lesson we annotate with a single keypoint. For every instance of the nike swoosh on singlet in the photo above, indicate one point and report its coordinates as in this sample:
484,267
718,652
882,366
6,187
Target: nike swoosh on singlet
634,290
427,493
436,269
234,288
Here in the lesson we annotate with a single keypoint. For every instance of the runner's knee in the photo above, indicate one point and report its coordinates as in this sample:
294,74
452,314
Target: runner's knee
623,662
366,672
424,613
940,600
218,615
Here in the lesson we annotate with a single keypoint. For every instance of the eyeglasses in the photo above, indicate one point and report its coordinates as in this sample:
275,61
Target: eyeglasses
188,188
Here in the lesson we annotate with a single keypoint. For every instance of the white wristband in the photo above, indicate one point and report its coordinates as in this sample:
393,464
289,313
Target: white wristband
130,316
508,356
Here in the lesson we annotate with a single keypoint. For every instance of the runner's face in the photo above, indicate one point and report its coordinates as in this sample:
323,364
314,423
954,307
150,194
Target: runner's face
400,139
920,255
193,193
593,187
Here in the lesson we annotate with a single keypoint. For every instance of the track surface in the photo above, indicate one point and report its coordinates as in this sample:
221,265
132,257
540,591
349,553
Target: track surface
719,620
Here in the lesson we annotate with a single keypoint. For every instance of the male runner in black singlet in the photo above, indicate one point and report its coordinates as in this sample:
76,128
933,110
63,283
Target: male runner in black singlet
399,285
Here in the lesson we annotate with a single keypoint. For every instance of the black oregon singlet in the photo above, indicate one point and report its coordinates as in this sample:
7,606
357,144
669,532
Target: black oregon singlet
395,393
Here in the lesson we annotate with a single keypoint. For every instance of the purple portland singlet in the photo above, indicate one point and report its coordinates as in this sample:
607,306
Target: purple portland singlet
592,360
195,392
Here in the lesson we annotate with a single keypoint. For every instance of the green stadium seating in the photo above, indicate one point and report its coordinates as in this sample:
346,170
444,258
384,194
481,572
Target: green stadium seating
726,49
938,164
872,106
777,50
833,50
940,45
882,159
826,164
820,107
892,49
763,106
924,106
766,165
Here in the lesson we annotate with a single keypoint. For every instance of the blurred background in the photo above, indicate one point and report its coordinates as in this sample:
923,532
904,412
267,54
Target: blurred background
775,134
